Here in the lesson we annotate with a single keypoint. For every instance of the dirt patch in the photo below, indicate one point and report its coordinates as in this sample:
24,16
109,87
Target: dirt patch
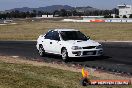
63,66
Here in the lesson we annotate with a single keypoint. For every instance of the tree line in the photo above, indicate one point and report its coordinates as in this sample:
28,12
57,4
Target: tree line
59,13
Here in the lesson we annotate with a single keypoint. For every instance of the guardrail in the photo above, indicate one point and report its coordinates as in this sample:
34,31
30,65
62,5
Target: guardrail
98,20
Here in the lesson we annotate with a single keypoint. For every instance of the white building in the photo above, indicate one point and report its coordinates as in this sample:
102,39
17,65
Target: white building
47,16
125,10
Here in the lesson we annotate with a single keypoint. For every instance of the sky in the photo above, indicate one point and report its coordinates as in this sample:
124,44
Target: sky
100,4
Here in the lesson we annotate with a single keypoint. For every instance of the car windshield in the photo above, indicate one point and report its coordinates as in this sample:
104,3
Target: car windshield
73,35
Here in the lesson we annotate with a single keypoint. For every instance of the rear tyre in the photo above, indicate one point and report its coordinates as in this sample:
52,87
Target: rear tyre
41,51
64,55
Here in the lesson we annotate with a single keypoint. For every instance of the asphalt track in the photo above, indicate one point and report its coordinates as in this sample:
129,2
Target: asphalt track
117,55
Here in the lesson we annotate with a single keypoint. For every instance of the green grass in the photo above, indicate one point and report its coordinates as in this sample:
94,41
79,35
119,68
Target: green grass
97,31
29,76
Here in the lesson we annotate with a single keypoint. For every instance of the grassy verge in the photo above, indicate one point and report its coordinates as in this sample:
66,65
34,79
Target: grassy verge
28,76
98,31
14,75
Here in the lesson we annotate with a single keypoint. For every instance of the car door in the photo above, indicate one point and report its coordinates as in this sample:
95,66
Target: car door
47,41
55,43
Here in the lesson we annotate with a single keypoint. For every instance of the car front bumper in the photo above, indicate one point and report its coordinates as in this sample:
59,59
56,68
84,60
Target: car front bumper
85,52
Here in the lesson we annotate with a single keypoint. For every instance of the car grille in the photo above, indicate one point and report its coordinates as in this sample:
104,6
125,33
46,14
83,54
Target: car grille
89,53
89,47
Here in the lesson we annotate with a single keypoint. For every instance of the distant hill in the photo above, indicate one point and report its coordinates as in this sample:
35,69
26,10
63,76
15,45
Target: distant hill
45,9
24,9
53,8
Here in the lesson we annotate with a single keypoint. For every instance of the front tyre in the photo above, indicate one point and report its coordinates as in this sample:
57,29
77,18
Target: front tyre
41,51
64,55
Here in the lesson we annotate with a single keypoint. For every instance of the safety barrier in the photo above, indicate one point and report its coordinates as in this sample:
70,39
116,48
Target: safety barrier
99,20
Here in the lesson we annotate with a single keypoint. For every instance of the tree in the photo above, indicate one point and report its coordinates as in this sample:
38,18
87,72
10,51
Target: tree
124,16
115,11
56,13
69,13
3,16
27,14
34,13
63,13
17,13
117,16
108,16
8,15
74,13
130,16
23,15
40,13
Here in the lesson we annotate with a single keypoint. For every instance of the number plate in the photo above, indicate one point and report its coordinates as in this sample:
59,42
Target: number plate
89,53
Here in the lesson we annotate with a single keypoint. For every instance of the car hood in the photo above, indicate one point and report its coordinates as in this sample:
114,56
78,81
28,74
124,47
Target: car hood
82,43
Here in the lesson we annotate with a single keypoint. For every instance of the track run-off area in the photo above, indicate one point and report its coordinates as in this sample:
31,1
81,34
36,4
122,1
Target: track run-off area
117,55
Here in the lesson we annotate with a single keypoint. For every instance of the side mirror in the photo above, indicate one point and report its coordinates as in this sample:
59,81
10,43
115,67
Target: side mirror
88,37
58,39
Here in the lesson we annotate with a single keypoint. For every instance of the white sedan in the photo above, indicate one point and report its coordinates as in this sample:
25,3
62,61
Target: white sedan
68,43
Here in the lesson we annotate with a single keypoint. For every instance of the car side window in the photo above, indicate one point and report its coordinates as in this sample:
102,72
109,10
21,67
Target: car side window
56,36
49,35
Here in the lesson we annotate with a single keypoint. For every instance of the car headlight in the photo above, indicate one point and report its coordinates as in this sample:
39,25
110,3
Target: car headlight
76,47
98,47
